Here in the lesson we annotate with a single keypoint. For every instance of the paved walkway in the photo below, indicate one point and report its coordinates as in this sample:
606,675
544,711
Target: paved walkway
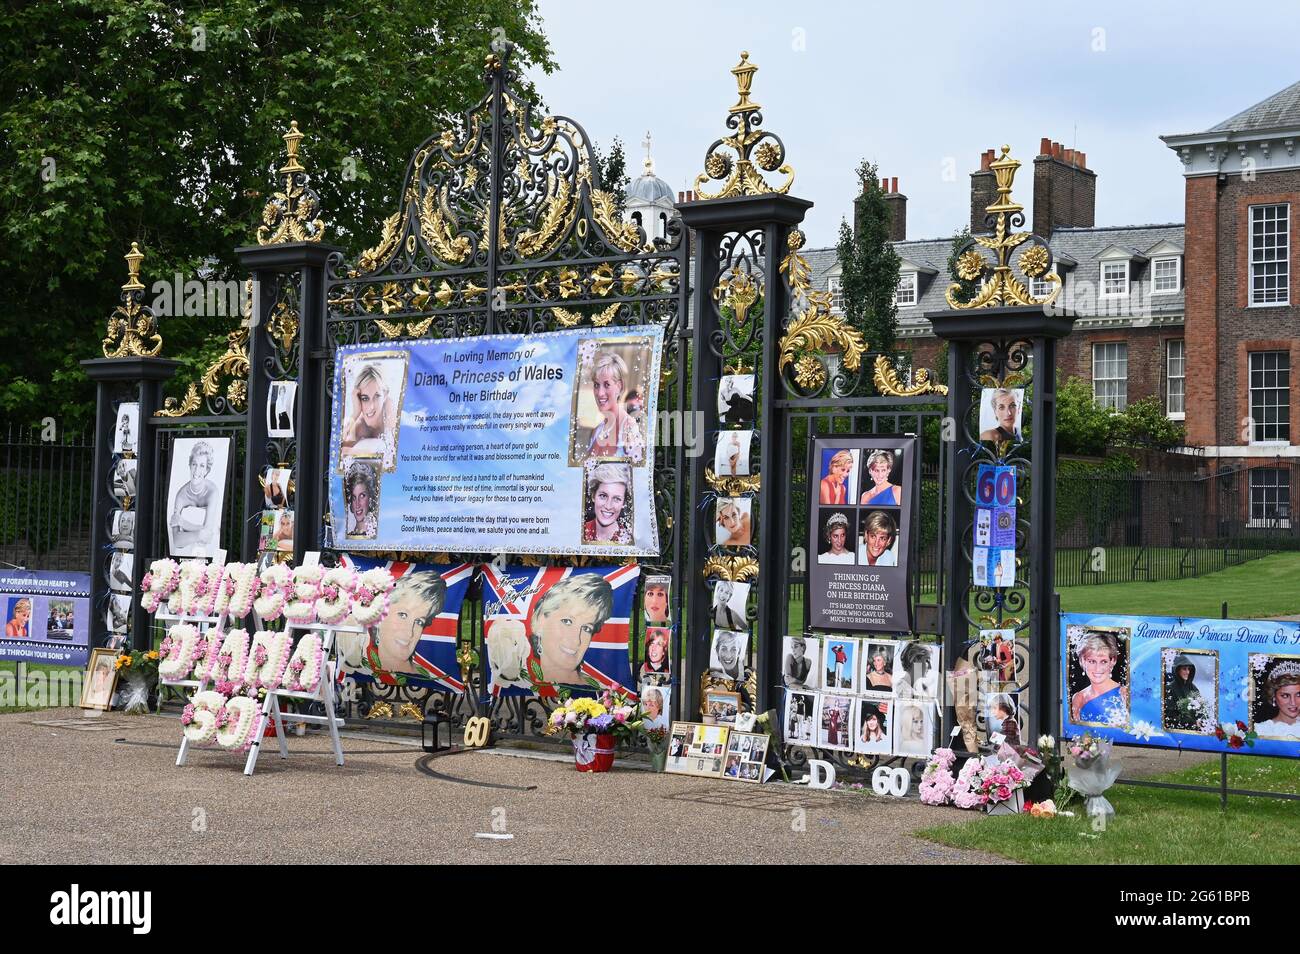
114,795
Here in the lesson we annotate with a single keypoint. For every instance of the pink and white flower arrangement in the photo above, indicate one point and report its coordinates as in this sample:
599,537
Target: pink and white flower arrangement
301,607
370,599
966,791
998,783
267,660
937,781
210,589
177,652
306,664
335,599
274,587
200,718
236,597
232,658
158,583
184,596
242,724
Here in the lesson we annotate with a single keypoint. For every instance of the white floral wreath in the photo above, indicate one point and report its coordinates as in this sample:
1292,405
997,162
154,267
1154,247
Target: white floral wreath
268,658
158,583
370,600
232,657
183,598
177,652
335,600
306,664
236,596
275,583
205,654
210,588
306,588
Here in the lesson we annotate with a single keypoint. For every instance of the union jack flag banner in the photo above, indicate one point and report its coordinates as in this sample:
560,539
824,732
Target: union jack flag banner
550,627
415,644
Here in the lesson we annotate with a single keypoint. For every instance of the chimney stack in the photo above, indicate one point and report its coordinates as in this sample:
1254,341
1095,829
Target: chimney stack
897,204
1065,189
983,192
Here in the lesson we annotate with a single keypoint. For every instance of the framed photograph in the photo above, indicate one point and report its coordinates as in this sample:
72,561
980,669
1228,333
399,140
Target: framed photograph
837,471
375,385
729,601
655,602
881,483
1097,674
800,723
914,722
126,432
696,749
124,478
872,727
1002,716
746,757
840,664
720,707
361,494
877,538
277,485
122,529
731,456
1275,695
878,657
836,529
736,399
1189,697
195,495
735,526
656,706
101,680
917,670
1000,414
279,409
120,570
800,657
835,722
657,665
609,401
728,653
608,504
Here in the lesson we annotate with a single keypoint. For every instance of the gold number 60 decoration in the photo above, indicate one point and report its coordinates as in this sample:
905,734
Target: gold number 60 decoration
477,731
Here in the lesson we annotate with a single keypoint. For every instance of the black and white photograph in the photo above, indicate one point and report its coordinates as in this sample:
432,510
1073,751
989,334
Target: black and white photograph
799,662
375,385
1000,413
917,671
124,478
878,665
835,538
195,495
735,522
122,529
126,433
729,601
736,399
914,721
731,458
871,734
276,487
361,494
279,409
728,653
120,569
119,610
835,722
800,718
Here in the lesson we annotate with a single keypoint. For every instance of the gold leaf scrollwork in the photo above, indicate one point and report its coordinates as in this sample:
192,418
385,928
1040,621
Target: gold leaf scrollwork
283,325
380,710
437,228
742,173
889,384
815,330
1002,287
559,211
571,319
732,486
132,330
290,215
737,291
625,235
373,258
233,363
736,569
188,404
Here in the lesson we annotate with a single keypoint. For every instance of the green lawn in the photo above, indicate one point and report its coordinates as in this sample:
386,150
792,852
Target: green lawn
1154,825
1260,588
9,668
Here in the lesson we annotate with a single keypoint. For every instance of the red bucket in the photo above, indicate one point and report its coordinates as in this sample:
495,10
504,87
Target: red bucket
594,753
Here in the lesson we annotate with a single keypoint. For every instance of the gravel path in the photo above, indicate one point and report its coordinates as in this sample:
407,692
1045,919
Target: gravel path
78,796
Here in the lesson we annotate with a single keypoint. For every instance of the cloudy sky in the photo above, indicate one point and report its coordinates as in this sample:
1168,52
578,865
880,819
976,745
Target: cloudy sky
922,89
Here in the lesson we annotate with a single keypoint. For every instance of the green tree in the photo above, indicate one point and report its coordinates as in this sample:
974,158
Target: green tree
160,122
869,265
1082,425
612,171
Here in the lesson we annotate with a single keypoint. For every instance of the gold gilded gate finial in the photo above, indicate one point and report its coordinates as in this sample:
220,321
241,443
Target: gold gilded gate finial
132,329
1002,287
291,214
740,174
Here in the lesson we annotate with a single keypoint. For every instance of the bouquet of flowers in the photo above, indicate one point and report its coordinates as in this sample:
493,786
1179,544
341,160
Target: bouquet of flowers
139,672
937,781
1093,772
998,784
1235,735
618,715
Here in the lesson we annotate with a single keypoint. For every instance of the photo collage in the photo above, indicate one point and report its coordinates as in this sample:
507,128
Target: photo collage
656,673
121,531
864,695
860,502
717,751
374,385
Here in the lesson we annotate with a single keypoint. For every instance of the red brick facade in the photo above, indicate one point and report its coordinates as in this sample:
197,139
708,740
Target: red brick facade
1147,357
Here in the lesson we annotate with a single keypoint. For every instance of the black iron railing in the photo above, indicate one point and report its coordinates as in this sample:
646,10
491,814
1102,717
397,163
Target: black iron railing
45,481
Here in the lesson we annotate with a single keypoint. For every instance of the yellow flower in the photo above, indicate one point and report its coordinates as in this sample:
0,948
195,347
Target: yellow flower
153,654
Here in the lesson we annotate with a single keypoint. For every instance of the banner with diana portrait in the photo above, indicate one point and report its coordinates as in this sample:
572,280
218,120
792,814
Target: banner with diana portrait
537,444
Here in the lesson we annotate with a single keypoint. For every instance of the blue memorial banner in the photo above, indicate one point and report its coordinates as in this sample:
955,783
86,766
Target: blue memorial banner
46,617
506,443
1213,685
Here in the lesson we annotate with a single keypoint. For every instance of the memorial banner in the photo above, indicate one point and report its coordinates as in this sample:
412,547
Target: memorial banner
861,496
1213,685
501,444
46,617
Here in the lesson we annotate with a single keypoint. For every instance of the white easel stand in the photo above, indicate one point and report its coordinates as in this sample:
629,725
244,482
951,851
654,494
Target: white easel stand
324,694
204,623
